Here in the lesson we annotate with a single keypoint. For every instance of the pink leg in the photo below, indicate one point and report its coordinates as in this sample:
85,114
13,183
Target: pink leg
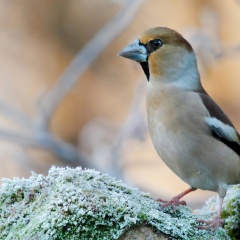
175,200
216,222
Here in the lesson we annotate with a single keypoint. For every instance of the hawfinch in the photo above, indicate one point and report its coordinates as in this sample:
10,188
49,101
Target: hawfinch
190,132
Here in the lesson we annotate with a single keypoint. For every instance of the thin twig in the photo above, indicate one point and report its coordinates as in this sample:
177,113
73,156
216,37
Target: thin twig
15,115
134,127
46,141
229,52
84,59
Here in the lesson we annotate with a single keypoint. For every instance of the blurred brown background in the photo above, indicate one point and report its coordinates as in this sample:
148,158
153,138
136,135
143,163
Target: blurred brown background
99,119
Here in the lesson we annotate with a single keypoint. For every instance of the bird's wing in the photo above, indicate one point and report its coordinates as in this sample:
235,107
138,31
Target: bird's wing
220,125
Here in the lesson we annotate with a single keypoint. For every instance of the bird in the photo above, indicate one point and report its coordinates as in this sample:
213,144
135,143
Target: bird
189,131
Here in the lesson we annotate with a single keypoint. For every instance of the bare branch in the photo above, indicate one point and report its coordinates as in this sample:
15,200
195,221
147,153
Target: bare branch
135,126
229,51
46,141
84,59
206,39
15,115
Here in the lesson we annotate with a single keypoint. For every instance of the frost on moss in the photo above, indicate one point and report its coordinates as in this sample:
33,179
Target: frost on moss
85,204
230,212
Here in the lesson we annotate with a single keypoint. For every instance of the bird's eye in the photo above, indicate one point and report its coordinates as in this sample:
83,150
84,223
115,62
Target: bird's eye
156,43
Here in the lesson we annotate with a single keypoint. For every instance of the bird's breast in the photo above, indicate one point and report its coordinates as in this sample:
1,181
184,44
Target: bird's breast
175,120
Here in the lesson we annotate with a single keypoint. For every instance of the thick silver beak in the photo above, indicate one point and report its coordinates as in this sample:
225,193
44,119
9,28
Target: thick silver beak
134,51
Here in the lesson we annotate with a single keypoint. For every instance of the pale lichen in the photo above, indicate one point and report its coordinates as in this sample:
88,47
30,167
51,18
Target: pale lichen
85,204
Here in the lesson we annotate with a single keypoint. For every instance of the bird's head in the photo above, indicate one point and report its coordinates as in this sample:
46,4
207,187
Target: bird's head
164,55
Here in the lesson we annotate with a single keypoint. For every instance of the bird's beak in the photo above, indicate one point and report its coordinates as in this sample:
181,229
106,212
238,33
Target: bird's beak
134,51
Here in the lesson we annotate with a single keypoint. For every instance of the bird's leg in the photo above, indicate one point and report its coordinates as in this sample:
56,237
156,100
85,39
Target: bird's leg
175,200
216,222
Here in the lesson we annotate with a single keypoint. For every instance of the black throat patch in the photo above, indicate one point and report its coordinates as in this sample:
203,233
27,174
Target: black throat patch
145,68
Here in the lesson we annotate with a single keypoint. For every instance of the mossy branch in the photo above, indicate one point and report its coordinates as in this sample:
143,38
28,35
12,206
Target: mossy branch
85,204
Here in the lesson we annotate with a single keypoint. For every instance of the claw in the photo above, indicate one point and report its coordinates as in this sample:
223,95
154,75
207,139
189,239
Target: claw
213,225
175,201
216,222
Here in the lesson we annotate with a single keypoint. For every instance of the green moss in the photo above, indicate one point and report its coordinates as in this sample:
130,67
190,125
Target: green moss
231,212
85,204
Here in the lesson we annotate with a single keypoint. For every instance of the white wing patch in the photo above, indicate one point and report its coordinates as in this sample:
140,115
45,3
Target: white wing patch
225,130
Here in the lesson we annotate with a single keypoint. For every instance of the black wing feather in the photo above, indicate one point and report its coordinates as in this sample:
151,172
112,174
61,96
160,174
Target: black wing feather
216,112
217,133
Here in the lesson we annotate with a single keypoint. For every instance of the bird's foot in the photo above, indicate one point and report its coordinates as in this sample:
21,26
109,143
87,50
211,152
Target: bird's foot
213,225
173,202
